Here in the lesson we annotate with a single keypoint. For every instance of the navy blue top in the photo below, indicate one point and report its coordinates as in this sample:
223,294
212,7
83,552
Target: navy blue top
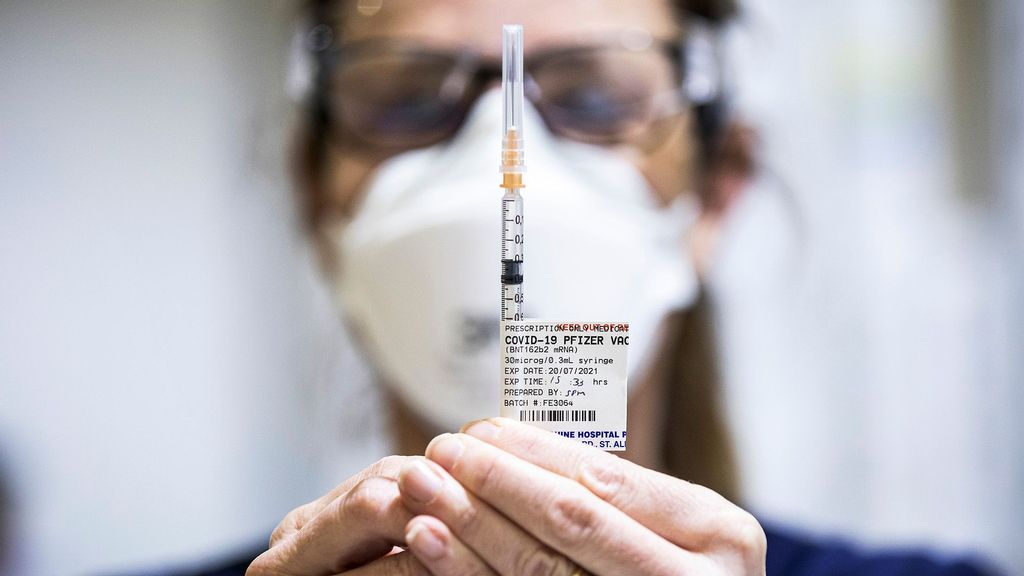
794,554
789,554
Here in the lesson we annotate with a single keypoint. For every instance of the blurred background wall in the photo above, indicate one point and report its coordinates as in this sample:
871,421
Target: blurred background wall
871,286
172,379
160,326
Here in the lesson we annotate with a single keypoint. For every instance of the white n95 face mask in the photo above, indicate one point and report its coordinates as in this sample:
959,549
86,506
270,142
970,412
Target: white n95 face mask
419,270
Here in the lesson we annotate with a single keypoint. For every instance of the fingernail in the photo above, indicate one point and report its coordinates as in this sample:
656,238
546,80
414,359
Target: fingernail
419,482
482,429
445,450
424,542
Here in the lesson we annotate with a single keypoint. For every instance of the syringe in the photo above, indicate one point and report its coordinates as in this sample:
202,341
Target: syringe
513,165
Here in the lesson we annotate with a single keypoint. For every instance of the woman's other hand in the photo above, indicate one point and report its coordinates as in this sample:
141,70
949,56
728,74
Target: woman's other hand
352,530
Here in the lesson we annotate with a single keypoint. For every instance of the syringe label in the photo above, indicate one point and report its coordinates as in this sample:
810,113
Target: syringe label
567,377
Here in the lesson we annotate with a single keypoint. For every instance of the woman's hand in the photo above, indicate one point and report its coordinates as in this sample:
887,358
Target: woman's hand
352,530
508,498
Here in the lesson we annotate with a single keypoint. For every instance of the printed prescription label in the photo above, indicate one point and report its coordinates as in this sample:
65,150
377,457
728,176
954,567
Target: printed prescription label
567,377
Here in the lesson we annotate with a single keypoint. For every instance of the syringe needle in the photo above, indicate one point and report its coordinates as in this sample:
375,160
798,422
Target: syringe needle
513,158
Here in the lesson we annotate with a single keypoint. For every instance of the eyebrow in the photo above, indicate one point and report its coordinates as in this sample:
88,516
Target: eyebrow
423,46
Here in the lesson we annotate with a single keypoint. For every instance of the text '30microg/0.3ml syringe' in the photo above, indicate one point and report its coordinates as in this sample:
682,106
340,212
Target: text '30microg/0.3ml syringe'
567,377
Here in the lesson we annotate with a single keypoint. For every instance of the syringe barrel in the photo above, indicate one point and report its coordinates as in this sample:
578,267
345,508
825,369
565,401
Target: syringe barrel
512,225
513,156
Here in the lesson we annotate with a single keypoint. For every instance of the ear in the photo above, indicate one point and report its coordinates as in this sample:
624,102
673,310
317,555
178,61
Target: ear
731,167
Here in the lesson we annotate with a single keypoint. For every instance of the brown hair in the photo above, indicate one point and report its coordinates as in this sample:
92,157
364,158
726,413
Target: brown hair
697,445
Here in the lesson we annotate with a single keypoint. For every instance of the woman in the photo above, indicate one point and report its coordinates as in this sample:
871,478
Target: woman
398,171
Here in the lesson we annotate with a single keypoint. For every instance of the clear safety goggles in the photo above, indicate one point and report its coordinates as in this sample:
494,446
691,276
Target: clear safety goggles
397,94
